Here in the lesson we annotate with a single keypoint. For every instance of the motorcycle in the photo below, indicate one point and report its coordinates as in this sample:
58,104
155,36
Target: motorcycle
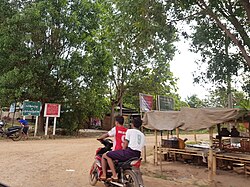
129,174
15,133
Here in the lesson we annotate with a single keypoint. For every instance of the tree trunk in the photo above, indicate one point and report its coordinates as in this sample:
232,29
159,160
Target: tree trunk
40,126
112,114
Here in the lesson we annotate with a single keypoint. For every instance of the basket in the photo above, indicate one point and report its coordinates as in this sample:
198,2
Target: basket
245,144
170,143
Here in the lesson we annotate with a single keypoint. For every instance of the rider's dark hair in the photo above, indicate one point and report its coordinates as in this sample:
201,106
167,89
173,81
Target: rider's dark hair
137,122
119,119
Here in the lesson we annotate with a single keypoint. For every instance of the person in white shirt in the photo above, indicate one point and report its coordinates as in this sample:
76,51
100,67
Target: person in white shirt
132,147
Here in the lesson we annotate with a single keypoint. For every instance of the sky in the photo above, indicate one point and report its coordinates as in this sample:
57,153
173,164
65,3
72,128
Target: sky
182,66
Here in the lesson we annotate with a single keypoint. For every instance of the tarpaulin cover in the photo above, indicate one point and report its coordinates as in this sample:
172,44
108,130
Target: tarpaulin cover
202,118
189,118
160,120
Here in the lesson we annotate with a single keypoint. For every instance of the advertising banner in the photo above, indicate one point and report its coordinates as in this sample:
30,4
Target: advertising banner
146,102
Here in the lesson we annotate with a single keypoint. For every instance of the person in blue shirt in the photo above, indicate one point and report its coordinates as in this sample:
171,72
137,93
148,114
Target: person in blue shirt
25,125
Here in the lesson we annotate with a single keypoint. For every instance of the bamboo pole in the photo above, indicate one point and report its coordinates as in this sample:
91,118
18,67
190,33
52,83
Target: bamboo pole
195,137
214,165
155,148
177,132
210,156
156,159
160,158
144,148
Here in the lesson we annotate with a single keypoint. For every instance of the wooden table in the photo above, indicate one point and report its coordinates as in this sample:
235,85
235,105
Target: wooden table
237,157
187,151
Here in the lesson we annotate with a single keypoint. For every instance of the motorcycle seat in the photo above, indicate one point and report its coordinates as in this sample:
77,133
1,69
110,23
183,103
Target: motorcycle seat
14,128
125,163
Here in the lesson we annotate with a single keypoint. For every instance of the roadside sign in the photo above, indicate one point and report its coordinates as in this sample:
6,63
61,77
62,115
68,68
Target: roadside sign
146,102
52,110
12,108
165,103
31,108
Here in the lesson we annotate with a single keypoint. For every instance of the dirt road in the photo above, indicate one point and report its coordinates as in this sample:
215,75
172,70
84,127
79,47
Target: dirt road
66,163
58,163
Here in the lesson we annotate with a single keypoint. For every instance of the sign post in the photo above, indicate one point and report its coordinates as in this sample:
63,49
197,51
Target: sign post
51,110
31,108
165,103
146,102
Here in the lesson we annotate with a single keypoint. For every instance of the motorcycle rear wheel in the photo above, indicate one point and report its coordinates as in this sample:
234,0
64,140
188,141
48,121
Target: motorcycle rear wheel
17,135
131,178
93,175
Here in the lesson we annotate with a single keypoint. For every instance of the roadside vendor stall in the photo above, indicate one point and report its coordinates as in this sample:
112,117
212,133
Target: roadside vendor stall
189,119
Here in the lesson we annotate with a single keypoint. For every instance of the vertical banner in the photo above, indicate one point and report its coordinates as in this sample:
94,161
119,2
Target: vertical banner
165,103
146,102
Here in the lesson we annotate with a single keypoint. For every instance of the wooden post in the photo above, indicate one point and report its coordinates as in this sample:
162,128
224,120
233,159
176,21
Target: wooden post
168,134
156,148
177,132
195,137
54,127
36,126
214,164
144,149
46,127
160,158
210,156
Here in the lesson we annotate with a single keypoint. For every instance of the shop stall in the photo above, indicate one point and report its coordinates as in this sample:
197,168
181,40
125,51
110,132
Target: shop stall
190,119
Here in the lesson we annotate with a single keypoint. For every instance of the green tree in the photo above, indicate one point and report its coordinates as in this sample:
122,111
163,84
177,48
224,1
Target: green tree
232,17
219,98
194,102
217,27
223,63
155,81
138,36
49,52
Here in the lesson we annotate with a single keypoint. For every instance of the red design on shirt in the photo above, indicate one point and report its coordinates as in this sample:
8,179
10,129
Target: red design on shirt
120,133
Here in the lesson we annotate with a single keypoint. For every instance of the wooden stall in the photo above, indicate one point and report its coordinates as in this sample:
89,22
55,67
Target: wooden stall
189,119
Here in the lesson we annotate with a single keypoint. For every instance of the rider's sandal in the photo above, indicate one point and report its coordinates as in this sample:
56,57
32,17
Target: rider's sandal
114,179
102,178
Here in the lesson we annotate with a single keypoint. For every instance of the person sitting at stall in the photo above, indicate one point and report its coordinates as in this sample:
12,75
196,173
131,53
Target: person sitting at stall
234,132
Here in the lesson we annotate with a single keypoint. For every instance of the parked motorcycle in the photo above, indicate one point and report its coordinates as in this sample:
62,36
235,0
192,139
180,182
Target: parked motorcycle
14,133
129,174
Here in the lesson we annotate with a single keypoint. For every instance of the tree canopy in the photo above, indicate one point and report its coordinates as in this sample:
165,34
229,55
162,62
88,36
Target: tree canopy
49,52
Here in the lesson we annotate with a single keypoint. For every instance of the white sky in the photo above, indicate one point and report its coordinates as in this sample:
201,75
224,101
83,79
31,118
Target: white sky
182,66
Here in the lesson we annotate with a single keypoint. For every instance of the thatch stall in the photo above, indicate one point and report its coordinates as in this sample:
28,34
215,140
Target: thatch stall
189,119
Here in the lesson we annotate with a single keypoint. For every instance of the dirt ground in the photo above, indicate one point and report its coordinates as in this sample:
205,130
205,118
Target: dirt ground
66,163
